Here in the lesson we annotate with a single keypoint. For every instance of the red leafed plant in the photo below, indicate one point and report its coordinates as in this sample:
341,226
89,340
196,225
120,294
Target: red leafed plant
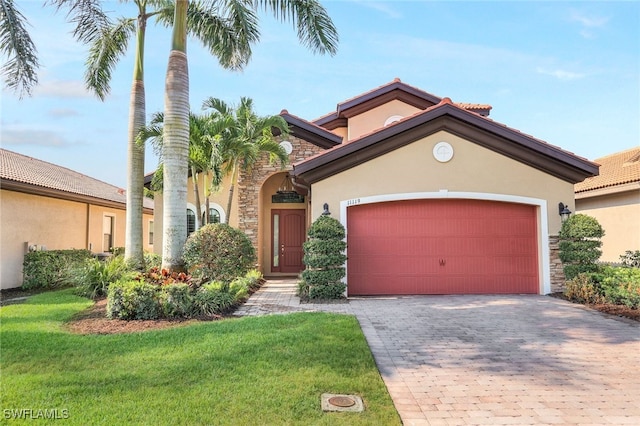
163,276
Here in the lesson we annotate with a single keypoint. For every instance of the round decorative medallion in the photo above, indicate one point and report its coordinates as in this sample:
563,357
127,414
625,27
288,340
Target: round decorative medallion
443,152
288,148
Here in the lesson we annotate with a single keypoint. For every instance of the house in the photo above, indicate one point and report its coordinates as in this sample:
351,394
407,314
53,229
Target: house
435,196
613,198
45,206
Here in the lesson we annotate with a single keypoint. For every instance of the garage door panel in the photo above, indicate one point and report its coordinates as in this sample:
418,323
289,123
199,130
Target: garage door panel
442,247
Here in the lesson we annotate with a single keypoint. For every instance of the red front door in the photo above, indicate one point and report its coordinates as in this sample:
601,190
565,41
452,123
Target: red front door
288,234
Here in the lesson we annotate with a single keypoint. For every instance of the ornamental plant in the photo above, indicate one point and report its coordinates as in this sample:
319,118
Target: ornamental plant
324,258
580,242
218,252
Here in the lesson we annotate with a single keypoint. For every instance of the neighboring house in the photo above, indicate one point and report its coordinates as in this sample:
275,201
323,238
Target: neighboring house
435,197
613,198
44,206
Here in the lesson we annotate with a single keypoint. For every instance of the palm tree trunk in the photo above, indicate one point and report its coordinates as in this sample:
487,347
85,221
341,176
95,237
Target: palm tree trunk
133,247
176,145
194,177
234,176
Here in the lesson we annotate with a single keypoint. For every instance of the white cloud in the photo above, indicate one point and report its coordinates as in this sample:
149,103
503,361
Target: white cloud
62,89
31,137
561,74
588,23
380,6
62,112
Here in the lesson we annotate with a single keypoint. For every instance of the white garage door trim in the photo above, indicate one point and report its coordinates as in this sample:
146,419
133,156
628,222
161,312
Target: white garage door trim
543,249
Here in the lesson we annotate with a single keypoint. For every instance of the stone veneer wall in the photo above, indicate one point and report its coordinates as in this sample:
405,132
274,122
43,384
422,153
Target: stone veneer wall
249,185
557,272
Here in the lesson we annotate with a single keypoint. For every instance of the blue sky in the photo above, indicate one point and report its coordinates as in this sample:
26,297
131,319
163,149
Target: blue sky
565,72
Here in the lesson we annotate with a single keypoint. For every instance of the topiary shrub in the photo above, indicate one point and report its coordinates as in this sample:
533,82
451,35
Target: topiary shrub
52,268
630,259
324,257
218,252
580,242
132,299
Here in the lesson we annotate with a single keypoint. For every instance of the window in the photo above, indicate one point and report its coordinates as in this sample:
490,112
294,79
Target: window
150,232
214,216
191,221
107,233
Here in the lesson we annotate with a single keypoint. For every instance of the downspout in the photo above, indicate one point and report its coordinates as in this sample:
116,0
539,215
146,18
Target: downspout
88,236
307,189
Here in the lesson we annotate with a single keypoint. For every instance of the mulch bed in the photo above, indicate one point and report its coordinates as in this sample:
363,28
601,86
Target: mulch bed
617,310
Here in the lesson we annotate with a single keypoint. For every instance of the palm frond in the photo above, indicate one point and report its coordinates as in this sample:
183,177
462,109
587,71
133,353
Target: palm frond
87,15
104,54
20,69
315,28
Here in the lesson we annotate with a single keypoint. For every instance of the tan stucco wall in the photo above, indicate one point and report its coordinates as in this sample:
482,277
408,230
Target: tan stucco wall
413,168
55,224
619,216
374,118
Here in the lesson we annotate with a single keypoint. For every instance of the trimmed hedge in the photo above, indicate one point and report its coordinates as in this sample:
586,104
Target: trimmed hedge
51,268
218,252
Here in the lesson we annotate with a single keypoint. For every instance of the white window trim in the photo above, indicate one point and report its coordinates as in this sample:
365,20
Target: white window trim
223,214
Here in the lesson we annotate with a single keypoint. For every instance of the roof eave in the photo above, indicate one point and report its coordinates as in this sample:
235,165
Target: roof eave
465,124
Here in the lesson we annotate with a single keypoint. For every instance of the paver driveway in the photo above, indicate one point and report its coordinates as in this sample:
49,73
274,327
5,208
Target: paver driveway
492,359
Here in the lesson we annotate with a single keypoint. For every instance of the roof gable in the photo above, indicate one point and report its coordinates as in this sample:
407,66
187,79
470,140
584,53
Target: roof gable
616,169
26,174
451,118
395,90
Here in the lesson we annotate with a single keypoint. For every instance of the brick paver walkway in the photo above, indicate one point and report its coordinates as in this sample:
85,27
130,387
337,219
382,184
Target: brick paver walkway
491,360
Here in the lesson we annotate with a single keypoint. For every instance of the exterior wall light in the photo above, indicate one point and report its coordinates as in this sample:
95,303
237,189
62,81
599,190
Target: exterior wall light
564,212
326,211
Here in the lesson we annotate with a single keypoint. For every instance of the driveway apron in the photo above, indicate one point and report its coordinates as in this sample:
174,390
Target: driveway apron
488,360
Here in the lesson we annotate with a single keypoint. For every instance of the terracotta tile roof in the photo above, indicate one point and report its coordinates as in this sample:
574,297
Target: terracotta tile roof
615,169
22,169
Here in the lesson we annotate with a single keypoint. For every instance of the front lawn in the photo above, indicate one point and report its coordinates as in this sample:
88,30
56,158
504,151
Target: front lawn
267,370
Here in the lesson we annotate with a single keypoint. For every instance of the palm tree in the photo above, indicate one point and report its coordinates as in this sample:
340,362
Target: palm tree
108,43
315,30
205,135
250,137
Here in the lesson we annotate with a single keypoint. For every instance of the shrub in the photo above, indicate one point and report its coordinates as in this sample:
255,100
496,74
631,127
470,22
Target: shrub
240,288
152,260
213,299
324,258
582,289
255,278
51,269
631,259
580,245
93,277
132,299
219,252
621,286
176,300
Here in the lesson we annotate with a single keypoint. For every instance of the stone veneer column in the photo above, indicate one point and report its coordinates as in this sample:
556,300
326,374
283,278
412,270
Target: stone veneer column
250,183
557,271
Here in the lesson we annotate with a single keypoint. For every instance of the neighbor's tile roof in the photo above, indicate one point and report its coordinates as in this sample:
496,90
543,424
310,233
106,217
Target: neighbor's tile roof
31,171
615,169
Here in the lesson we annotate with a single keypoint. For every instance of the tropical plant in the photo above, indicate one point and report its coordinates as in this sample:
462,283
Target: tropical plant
247,139
580,242
315,30
93,277
219,252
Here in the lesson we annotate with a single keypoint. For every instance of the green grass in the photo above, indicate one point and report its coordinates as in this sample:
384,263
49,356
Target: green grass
250,371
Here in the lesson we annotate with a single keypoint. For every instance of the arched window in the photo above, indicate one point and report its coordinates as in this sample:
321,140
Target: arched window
214,216
191,221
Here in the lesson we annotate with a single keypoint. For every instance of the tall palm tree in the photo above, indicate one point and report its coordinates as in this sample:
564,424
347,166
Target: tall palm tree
315,30
250,137
108,42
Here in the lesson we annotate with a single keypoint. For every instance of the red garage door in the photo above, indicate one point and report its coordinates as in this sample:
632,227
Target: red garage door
442,247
